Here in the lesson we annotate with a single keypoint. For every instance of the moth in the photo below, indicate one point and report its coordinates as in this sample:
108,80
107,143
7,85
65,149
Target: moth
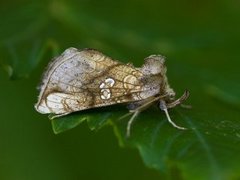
83,79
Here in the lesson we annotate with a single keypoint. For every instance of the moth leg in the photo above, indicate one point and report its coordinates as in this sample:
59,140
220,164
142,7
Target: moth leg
132,107
164,108
135,108
143,104
178,101
58,115
130,122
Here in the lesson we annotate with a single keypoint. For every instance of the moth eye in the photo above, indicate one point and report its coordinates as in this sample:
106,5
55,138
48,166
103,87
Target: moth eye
172,96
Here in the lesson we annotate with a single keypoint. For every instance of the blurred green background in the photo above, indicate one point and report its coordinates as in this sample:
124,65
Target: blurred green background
199,38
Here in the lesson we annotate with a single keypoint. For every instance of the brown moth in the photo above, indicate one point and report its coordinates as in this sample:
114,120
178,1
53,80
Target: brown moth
84,79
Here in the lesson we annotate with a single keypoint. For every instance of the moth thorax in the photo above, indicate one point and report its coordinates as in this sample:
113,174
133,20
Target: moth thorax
151,85
154,64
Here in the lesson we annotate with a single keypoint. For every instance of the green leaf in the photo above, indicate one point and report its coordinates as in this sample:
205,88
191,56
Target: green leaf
64,123
96,119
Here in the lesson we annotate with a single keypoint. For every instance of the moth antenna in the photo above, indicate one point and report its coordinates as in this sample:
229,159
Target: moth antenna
164,108
125,115
130,123
179,100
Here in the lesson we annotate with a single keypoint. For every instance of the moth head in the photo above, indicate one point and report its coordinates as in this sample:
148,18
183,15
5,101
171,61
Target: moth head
154,64
170,93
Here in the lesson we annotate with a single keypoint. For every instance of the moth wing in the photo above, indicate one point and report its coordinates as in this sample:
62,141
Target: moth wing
83,79
58,103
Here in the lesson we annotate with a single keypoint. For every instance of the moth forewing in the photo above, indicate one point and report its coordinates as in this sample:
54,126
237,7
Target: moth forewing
78,80
84,79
